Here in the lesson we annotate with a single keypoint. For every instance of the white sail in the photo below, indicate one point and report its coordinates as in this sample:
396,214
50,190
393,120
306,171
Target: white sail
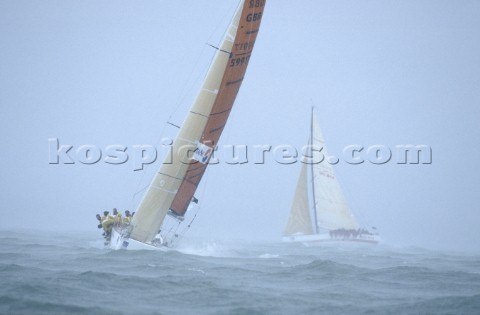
299,221
161,192
331,217
330,205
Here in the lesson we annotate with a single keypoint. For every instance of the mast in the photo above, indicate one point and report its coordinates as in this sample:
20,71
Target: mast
313,175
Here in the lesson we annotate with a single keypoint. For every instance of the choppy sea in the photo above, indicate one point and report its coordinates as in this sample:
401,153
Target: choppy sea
73,274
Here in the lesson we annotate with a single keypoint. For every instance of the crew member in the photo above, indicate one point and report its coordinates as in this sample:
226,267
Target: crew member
99,218
107,224
127,218
117,217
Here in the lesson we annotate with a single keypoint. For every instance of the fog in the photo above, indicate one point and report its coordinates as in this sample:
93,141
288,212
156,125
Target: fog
381,73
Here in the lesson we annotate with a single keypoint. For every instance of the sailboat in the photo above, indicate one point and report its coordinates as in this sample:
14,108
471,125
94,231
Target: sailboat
171,192
319,213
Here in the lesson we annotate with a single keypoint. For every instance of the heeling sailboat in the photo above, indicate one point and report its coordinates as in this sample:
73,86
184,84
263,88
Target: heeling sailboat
329,218
172,189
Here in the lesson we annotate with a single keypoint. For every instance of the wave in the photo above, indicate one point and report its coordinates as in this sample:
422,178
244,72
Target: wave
49,276
445,305
26,305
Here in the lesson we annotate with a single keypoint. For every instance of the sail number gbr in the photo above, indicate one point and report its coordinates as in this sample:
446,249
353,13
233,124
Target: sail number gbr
239,61
257,3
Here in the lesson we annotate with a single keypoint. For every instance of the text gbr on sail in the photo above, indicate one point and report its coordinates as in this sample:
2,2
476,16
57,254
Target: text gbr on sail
254,17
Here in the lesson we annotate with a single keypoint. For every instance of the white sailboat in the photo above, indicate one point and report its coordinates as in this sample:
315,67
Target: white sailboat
329,218
173,186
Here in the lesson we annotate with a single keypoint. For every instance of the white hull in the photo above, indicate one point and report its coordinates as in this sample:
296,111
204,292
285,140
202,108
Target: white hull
119,241
321,239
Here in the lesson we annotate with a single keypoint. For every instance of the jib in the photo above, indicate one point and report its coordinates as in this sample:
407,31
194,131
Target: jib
254,17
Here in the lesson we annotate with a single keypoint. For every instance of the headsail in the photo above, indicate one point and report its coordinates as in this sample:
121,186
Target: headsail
175,183
330,205
299,221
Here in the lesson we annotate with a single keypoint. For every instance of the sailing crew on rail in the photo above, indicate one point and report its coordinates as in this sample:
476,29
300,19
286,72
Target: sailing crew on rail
104,217
99,218
107,224
127,218
117,217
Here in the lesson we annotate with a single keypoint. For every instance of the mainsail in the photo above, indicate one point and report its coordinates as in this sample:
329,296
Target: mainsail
175,183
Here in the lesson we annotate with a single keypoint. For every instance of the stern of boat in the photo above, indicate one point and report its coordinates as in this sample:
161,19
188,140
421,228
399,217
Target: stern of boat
117,240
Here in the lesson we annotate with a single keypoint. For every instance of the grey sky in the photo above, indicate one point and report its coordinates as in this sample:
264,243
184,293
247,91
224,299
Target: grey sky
378,72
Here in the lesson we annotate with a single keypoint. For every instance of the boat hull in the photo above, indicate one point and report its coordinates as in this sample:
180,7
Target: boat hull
119,241
322,239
